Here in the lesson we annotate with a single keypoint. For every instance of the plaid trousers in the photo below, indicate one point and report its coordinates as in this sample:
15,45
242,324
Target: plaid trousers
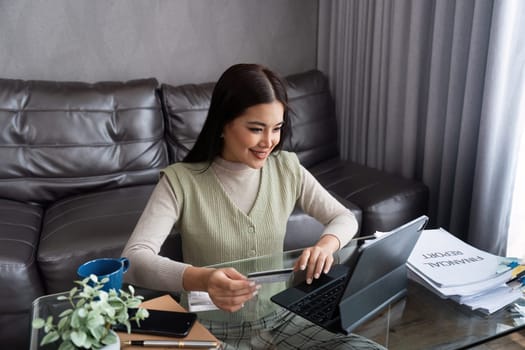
284,330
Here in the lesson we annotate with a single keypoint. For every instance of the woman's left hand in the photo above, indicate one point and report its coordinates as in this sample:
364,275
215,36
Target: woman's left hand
318,258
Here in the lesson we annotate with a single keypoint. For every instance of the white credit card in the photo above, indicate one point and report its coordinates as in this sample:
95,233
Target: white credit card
270,276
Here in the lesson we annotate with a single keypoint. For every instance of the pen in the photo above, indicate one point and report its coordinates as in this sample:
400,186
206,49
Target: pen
180,344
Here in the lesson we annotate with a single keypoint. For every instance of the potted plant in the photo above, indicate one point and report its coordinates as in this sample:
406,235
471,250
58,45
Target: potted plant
87,323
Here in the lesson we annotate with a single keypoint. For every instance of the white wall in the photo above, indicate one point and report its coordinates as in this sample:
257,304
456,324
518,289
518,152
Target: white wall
176,41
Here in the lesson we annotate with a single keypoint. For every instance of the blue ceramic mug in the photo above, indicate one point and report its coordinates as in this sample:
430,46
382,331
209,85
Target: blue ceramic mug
110,268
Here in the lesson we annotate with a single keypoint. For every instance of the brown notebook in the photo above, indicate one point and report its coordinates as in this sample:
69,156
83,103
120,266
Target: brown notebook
167,303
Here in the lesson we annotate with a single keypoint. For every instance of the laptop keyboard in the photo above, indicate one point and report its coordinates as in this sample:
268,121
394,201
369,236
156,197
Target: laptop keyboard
321,305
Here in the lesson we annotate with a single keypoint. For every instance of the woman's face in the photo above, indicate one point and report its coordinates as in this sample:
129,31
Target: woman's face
251,137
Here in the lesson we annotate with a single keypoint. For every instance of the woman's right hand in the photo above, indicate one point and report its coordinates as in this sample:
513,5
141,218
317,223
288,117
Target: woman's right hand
229,289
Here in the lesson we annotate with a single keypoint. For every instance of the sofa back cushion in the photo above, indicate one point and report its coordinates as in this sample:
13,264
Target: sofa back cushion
185,109
63,138
312,120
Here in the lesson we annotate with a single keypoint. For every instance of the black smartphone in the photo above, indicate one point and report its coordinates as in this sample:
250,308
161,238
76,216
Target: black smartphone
168,323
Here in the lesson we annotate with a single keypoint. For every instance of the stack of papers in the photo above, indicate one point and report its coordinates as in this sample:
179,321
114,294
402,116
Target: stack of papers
454,269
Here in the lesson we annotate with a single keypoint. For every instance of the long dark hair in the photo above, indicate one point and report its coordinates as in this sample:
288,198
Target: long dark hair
239,87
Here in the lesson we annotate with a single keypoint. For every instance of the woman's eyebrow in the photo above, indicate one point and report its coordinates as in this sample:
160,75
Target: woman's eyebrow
263,124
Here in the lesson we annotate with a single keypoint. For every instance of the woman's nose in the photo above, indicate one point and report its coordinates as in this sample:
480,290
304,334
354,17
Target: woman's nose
267,139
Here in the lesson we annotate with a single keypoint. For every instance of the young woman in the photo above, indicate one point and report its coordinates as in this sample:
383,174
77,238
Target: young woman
230,199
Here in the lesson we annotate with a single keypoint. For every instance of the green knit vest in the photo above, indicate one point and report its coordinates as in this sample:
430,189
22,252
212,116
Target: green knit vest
214,230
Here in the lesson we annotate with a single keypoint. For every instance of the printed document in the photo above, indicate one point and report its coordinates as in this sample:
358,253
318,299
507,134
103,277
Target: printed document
446,261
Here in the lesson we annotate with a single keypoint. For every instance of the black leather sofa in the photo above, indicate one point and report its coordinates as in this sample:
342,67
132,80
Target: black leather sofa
78,162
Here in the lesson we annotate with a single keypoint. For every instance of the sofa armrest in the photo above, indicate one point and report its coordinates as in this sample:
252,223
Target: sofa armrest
303,231
353,208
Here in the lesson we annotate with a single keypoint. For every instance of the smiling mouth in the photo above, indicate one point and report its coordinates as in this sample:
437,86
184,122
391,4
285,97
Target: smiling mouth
259,154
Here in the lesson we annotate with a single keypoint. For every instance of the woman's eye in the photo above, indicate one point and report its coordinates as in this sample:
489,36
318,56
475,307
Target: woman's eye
256,130
277,129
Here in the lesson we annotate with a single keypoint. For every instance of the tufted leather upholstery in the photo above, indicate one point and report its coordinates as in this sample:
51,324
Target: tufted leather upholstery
312,119
78,162
386,200
185,109
19,276
97,136
84,227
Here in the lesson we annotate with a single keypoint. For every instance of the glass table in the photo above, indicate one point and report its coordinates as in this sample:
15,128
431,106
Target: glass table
421,320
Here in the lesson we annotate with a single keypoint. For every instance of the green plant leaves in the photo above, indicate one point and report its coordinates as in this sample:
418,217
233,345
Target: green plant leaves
65,313
67,345
38,323
110,338
98,332
93,311
95,320
50,337
141,314
78,338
